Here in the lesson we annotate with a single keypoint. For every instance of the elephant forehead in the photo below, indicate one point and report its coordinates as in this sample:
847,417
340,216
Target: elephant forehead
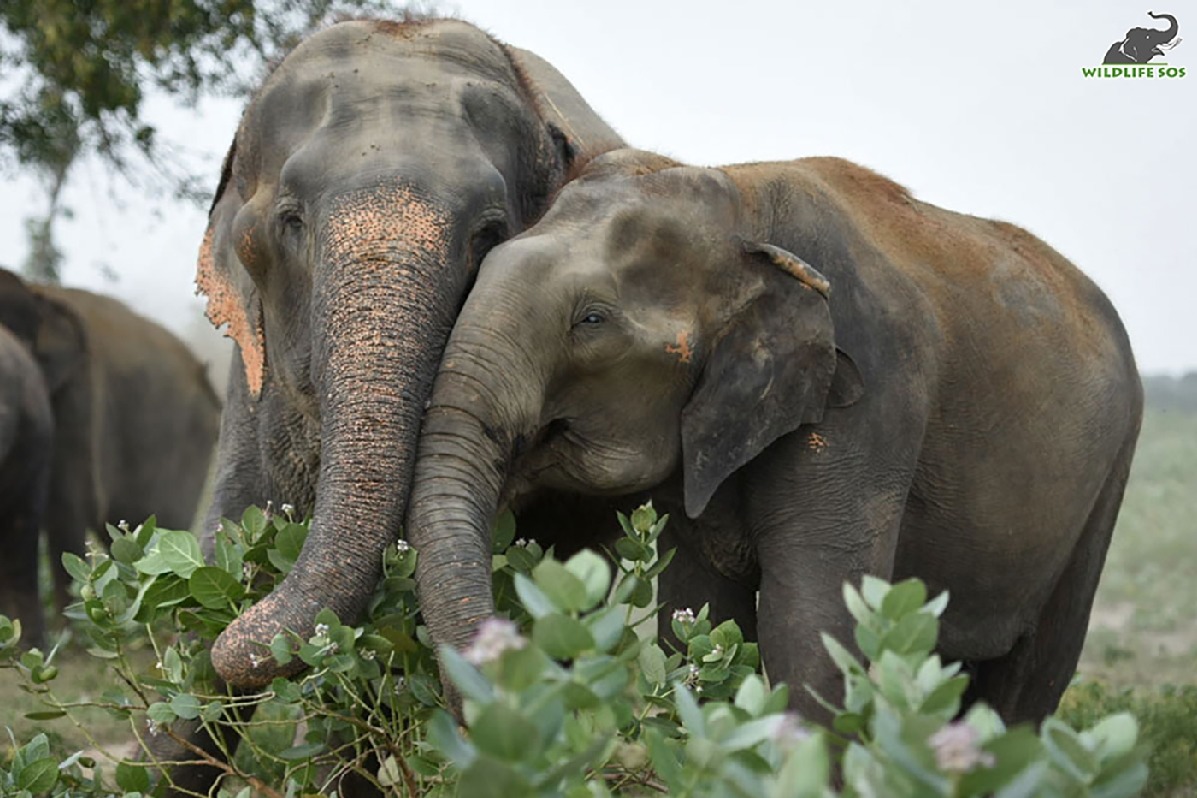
388,217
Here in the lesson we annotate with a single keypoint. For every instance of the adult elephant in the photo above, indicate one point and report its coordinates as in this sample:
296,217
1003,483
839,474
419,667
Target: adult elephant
26,437
135,416
371,172
1140,45
938,396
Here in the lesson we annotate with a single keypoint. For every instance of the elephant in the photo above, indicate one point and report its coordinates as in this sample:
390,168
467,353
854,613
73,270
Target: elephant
1140,45
135,417
26,441
818,377
370,174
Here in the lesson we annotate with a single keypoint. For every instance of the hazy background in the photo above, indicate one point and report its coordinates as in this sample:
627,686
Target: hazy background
981,109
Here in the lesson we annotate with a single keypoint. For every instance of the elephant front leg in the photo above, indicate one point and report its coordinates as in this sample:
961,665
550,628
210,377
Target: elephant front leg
834,525
691,581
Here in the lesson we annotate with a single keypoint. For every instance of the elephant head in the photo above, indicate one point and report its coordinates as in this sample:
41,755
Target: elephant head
371,172
1143,44
52,331
641,329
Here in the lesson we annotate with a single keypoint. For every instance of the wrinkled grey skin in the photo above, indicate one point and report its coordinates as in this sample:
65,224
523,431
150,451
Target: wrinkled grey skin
960,405
136,426
1140,45
26,438
370,174
135,416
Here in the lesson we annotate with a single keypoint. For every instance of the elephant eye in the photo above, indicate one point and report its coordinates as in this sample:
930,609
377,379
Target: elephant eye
291,221
593,317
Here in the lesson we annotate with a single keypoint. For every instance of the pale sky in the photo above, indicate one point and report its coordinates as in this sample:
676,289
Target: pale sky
981,108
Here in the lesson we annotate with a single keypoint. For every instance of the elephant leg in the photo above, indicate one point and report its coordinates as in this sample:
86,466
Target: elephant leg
189,748
822,516
690,582
1026,684
68,515
19,575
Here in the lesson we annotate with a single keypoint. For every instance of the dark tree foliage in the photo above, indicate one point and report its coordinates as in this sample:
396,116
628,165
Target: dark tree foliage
74,75
76,72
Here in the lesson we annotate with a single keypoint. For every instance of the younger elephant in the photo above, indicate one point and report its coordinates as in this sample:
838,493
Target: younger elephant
26,434
944,397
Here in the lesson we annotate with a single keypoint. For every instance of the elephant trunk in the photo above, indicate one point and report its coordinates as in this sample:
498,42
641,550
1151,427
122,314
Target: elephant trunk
477,413
1170,33
385,294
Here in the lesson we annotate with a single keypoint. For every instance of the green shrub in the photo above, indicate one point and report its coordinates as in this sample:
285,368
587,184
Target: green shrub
562,696
1167,718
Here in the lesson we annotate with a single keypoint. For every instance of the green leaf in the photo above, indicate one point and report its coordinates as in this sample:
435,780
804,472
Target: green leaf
566,591
488,778
466,677
873,590
643,518
253,521
606,627
160,712
38,775
505,733
298,752
595,574
186,706
76,566
633,550
561,636
534,599
125,550
903,598
688,711
175,552
856,605
652,663
214,588
503,532
444,737
844,660
280,649
805,772
132,777
1115,735
752,733
751,695
49,714
1067,751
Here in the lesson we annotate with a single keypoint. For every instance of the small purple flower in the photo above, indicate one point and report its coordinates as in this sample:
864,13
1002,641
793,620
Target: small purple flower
790,730
495,636
957,748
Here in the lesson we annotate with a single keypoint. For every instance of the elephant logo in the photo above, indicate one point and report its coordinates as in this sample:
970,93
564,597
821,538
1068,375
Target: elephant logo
1140,45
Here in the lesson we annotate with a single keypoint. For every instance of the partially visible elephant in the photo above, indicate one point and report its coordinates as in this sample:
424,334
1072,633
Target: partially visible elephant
135,416
26,438
370,174
819,377
1140,45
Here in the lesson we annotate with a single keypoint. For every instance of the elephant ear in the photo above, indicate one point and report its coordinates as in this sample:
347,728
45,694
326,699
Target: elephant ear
772,368
60,344
578,131
232,296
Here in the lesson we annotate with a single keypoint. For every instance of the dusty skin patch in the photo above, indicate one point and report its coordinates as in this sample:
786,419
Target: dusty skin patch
225,307
816,442
681,348
373,220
